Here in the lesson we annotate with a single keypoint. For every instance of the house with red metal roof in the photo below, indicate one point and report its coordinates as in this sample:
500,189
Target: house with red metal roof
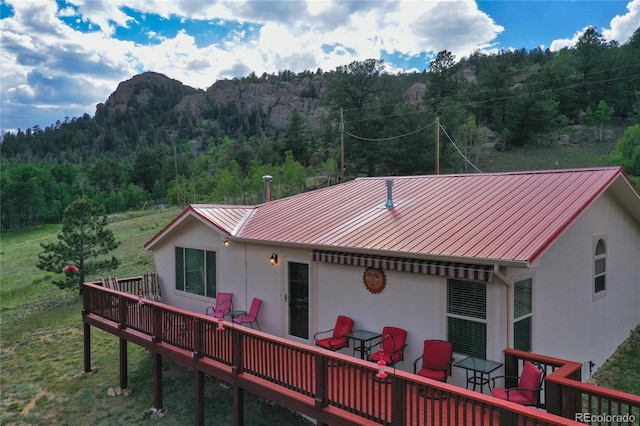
545,261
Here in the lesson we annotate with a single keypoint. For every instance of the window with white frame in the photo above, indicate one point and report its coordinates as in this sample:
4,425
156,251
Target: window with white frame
196,271
600,266
467,317
522,314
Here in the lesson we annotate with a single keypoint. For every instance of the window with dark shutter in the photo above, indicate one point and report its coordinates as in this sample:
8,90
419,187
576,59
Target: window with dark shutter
467,317
522,314
196,271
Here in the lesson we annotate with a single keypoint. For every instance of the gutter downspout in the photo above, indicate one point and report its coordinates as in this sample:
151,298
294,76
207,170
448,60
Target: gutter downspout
500,273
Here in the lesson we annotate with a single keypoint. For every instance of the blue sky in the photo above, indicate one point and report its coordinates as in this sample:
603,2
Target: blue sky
59,58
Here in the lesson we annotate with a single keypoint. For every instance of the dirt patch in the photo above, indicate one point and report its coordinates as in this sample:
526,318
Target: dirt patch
32,403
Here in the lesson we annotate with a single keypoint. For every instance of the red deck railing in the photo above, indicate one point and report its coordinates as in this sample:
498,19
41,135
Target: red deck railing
332,387
567,396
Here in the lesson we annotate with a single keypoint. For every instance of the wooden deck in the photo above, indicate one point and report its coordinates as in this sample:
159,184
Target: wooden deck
330,387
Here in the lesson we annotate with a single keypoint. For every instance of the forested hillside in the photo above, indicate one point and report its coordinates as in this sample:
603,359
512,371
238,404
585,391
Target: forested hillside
155,140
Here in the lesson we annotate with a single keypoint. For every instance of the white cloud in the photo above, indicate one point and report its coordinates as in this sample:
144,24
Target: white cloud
566,42
107,14
622,28
67,12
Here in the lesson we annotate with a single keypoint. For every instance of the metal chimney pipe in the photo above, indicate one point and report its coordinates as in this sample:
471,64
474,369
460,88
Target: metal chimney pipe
389,203
267,187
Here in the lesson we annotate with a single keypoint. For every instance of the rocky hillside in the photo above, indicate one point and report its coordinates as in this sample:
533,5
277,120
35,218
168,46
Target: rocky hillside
143,90
274,98
277,99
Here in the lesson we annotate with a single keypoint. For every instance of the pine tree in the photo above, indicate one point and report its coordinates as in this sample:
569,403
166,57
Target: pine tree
83,242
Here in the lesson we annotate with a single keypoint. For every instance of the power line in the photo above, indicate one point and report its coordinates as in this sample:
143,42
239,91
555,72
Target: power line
389,138
460,152
414,132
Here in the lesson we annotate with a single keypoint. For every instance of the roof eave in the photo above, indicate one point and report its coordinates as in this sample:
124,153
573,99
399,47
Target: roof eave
515,263
189,212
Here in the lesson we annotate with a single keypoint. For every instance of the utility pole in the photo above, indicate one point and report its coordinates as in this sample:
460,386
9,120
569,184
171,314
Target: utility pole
341,147
437,145
175,165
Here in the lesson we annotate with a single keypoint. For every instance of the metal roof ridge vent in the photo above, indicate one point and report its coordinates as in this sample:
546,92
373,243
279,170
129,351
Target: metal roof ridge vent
267,187
389,203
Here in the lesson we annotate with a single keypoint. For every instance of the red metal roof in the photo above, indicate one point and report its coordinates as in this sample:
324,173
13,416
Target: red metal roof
508,218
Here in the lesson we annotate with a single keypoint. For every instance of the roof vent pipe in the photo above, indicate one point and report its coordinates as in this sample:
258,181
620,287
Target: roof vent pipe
389,203
267,187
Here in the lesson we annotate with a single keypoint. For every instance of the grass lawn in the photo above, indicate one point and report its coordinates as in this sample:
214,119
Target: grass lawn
622,370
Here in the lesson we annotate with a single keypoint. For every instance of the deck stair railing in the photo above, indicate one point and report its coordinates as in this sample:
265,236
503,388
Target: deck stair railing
324,384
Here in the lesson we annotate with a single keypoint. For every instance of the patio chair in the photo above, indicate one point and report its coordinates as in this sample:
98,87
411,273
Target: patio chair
529,386
224,306
150,287
337,340
437,357
250,318
111,283
392,344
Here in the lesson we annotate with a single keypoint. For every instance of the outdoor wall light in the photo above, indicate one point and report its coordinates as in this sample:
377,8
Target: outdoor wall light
225,243
273,259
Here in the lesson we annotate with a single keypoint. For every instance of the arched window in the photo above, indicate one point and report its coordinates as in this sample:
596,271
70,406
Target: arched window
600,267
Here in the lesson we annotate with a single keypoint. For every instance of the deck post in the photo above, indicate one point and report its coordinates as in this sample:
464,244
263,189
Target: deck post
398,400
86,331
123,364
157,381
507,418
322,364
122,314
87,347
553,398
156,327
238,405
510,370
238,392
571,402
236,347
198,328
199,396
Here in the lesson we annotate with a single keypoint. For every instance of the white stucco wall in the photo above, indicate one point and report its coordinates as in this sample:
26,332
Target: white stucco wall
569,322
415,302
261,279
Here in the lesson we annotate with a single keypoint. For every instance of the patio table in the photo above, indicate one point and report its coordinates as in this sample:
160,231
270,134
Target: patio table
480,368
362,336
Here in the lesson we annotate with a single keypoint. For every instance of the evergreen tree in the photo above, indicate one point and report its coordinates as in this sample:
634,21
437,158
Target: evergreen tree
443,79
355,88
83,242
297,138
